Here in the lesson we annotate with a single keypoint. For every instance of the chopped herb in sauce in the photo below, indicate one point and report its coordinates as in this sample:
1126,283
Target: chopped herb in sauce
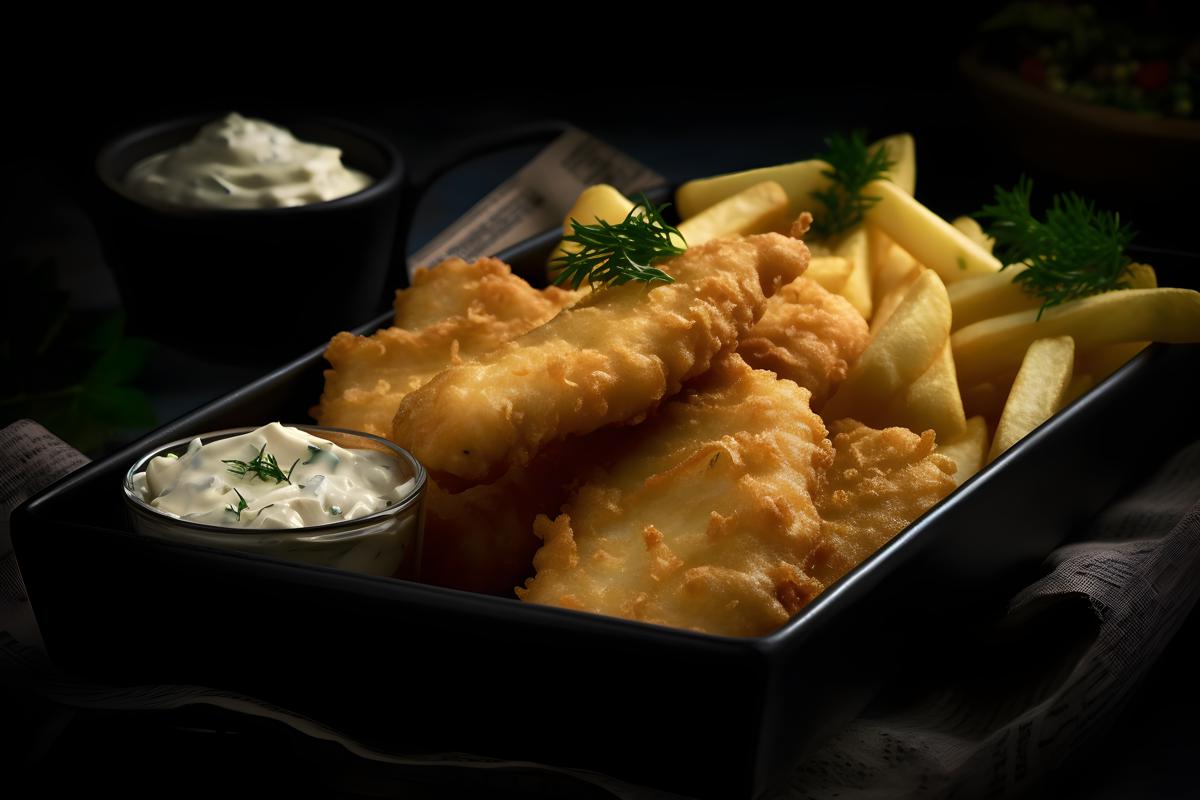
241,506
263,466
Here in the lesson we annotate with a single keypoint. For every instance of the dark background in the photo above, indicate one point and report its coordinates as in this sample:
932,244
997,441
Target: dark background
698,97
703,100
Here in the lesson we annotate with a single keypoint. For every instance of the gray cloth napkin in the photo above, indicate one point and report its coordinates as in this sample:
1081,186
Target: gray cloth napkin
1071,649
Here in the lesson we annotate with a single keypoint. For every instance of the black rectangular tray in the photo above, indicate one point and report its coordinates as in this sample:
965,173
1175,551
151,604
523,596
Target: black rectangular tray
419,668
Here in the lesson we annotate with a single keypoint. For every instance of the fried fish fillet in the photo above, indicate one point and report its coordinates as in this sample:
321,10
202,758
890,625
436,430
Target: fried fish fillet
610,358
481,540
485,289
453,312
879,482
372,374
807,335
732,510
705,521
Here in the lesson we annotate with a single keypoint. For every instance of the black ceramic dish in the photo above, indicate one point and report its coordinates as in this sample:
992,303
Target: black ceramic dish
225,283
413,667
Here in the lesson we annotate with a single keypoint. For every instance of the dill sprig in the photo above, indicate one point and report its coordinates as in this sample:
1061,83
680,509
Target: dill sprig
241,506
852,166
263,465
617,254
1076,251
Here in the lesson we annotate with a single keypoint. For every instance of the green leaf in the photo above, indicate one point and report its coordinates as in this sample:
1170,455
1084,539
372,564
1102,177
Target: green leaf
66,370
620,253
853,165
120,363
1074,251
117,407
107,333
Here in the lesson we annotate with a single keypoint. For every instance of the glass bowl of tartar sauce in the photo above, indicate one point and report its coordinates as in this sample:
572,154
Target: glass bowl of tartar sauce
304,493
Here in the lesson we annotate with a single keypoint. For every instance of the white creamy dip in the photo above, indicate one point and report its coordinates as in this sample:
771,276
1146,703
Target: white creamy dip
238,162
233,482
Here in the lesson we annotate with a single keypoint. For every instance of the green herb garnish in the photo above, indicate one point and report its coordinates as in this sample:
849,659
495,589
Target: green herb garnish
617,254
71,369
241,506
852,166
263,465
317,454
1076,251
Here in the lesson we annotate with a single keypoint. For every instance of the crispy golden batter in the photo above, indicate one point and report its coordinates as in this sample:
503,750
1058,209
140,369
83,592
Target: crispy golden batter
483,289
480,540
705,520
807,335
730,510
372,374
453,312
880,481
610,358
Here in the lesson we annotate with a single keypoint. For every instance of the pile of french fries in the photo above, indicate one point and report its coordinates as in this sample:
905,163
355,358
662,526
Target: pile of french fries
956,346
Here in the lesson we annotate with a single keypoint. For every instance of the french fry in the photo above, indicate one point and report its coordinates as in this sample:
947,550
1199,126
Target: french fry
930,239
762,207
932,401
995,295
898,353
799,180
759,208
1038,391
993,346
986,296
854,248
829,271
969,450
599,202
1142,276
974,232
879,246
887,304
890,264
891,267
902,150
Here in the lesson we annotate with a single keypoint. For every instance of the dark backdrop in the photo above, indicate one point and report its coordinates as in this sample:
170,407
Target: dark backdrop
696,98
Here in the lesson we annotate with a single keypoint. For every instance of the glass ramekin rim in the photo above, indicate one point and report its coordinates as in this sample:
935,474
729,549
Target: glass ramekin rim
420,476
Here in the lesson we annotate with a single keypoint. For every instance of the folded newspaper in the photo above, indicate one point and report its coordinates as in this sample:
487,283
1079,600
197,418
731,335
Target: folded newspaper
537,198
1121,592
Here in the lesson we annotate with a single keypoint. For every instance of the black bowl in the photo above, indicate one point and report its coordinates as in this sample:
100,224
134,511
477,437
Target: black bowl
250,285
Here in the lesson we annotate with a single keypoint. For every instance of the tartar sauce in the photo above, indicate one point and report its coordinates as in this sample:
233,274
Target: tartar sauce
238,162
235,482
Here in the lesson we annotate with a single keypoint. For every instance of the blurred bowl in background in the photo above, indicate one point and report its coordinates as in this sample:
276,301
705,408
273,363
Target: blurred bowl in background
253,286
1093,147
